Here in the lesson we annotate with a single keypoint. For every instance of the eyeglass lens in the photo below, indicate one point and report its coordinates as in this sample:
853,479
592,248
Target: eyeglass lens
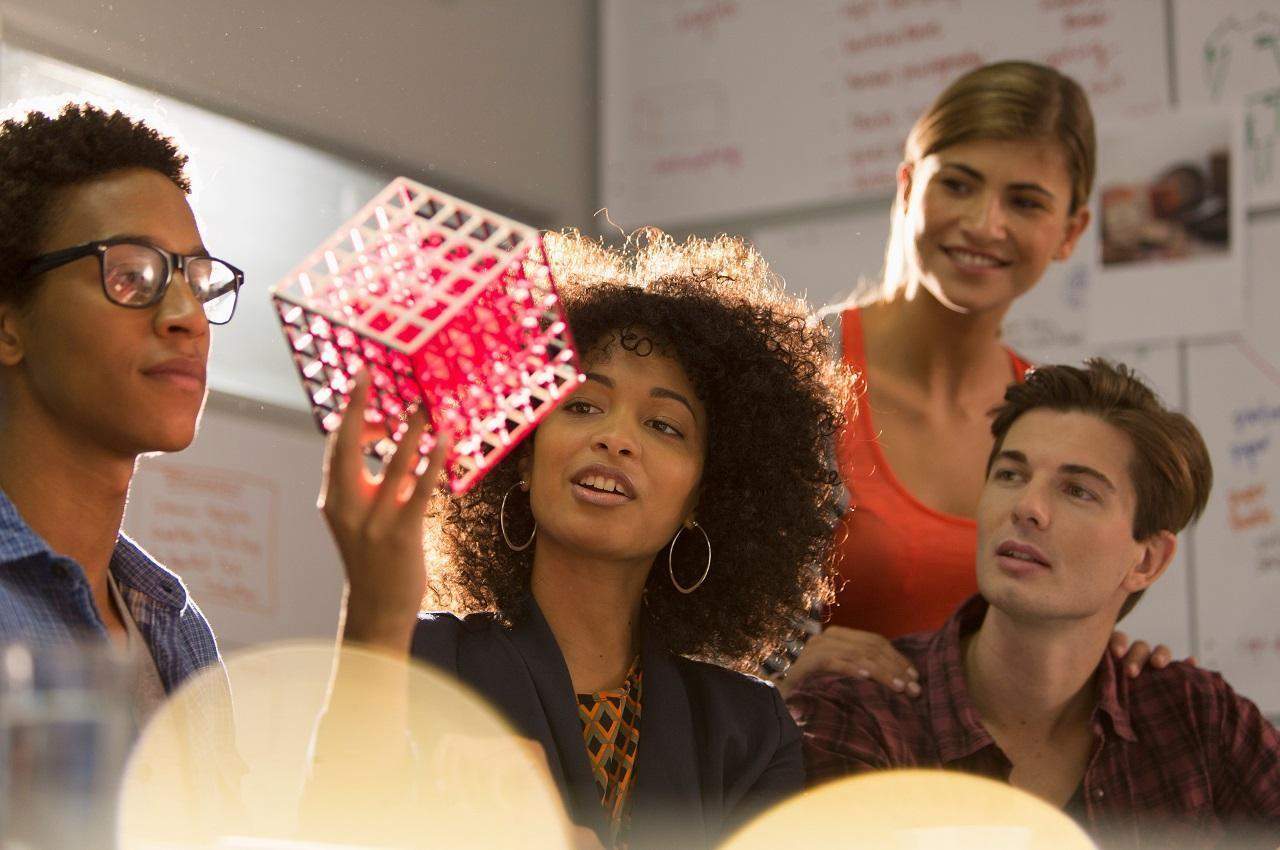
134,274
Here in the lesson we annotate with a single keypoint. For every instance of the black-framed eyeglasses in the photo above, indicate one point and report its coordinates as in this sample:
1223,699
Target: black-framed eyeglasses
135,274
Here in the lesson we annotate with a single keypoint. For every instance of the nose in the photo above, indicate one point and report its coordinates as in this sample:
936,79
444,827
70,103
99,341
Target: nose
615,438
986,218
179,312
1030,508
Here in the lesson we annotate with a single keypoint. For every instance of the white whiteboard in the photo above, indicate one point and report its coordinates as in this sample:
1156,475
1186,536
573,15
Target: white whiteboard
714,109
262,202
235,517
1234,389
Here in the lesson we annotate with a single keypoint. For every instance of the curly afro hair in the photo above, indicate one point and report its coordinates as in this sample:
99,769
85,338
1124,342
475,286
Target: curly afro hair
40,155
775,397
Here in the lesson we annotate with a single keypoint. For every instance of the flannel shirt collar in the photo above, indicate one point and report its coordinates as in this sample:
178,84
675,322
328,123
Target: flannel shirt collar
130,563
952,709
1113,691
952,714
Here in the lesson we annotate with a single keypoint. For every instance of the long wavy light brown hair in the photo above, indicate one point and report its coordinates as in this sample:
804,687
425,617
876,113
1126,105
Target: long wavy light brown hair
775,397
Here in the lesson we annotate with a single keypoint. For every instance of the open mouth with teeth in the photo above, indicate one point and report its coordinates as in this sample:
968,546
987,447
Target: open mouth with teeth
971,258
601,484
598,485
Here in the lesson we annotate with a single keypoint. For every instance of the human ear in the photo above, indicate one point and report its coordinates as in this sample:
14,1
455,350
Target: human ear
11,348
1157,553
1076,225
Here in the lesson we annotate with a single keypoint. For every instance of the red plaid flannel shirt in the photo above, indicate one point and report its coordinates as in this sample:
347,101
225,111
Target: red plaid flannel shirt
1180,759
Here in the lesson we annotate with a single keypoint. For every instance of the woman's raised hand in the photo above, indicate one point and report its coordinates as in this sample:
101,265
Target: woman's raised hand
849,652
377,523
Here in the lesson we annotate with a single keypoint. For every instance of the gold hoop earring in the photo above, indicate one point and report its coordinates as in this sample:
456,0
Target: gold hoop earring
671,567
502,522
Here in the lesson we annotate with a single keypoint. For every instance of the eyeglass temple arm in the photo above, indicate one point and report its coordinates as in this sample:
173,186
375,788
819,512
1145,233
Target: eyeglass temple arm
48,262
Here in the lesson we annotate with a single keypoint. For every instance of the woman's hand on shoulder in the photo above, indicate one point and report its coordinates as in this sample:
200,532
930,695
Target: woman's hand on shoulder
1135,658
849,652
377,523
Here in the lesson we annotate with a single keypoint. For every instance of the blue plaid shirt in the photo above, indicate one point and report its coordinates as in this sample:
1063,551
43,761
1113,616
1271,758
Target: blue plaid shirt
45,600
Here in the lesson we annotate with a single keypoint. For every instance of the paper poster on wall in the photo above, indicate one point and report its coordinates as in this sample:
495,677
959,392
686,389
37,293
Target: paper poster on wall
235,517
1235,401
1262,294
217,529
1228,53
1226,49
826,258
1170,256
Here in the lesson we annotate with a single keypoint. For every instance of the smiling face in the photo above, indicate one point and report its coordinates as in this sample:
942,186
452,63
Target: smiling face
985,218
1055,522
125,381
615,468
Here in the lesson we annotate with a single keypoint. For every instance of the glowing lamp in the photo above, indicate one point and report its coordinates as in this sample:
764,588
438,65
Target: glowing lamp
448,306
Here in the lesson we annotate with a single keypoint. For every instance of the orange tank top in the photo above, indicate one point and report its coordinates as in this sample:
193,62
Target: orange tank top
904,567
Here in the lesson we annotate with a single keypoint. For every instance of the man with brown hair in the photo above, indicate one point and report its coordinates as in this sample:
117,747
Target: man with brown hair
1088,483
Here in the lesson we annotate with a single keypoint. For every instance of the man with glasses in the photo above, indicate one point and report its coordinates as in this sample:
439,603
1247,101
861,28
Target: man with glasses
107,293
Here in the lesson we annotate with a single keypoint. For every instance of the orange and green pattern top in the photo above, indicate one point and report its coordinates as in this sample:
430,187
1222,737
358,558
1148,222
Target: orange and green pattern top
611,729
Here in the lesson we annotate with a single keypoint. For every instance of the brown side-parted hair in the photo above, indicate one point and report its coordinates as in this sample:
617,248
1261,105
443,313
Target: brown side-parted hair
1007,101
1171,470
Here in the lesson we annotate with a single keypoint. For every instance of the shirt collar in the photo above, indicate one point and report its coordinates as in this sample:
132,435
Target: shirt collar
951,708
1113,690
134,568
952,715
130,564
20,541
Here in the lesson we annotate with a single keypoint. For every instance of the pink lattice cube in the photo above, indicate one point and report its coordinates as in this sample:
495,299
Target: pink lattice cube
447,305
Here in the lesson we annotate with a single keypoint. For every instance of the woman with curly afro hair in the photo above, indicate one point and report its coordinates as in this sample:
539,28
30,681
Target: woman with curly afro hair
663,524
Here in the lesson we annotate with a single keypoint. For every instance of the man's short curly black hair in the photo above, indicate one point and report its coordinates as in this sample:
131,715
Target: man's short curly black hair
775,399
40,155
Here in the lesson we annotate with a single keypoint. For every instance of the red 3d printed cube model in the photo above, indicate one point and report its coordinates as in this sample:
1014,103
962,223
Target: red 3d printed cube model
448,306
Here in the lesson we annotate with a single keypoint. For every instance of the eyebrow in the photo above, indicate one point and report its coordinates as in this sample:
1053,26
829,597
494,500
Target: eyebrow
1080,469
1067,468
978,175
656,392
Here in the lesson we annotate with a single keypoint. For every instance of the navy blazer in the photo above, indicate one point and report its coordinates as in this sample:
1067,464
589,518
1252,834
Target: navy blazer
716,747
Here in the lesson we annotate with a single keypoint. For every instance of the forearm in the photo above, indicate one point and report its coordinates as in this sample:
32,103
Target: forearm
362,756
370,624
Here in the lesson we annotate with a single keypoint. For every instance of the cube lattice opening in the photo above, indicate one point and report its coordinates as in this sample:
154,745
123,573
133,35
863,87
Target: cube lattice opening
448,306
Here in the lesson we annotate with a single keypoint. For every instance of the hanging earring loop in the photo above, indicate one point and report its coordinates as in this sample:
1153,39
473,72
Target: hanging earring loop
502,522
671,567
